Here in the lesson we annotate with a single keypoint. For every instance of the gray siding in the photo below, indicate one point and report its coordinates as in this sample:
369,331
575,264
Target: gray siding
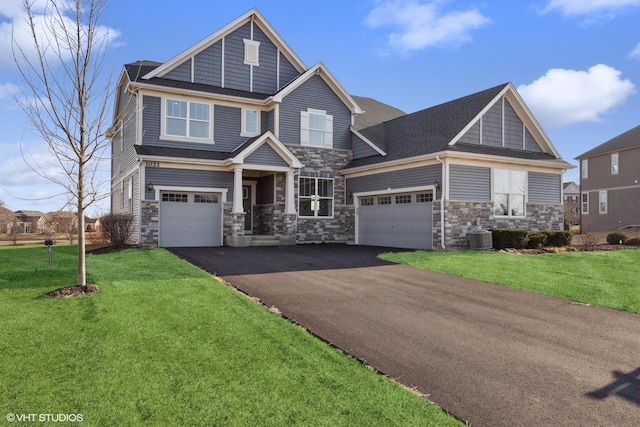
265,190
470,183
530,143
265,155
182,72
287,72
545,188
472,136
189,178
492,126
268,121
513,128
208,65
361,149
314,93
264,75
227,124
236,73
414,177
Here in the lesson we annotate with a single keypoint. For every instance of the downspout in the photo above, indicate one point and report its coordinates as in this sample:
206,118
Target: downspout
442,245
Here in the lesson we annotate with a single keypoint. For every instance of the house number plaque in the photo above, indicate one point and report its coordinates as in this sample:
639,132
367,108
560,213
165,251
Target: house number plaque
152,164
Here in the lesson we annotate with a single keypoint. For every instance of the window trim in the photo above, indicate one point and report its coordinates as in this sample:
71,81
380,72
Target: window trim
584,168
163,121
584,203
243,120
317,198
525,194
305,128
603,201
615,166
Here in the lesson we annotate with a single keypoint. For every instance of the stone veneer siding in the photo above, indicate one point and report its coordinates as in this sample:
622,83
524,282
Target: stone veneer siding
326,163
465,217
149,222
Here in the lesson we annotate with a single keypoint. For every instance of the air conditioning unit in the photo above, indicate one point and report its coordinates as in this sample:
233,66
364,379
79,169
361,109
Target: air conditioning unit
482,240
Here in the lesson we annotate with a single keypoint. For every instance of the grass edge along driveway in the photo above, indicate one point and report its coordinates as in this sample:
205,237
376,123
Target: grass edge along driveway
163,343
603,278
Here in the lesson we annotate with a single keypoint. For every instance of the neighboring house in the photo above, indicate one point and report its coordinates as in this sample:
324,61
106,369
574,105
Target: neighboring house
236,139
32,221
609,183
7,217
571,200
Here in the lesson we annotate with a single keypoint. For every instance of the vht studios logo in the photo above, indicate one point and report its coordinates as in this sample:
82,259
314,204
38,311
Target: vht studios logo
54,418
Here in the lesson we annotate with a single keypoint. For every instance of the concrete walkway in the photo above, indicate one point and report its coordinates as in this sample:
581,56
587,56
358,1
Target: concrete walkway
490,355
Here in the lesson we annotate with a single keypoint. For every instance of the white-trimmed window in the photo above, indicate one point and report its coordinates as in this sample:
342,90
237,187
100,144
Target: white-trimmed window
585,203
615,166
584,168
130,196
315,197
316,128
251,52
509,192
250,122
602,202
187,119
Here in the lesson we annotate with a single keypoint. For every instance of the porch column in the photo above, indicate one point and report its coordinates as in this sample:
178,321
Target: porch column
237,191
290,208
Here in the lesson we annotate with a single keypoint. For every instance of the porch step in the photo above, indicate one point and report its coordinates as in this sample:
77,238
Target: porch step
265,241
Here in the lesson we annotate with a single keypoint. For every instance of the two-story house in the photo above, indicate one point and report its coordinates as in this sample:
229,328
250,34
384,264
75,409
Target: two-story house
236,139
609,183
571,200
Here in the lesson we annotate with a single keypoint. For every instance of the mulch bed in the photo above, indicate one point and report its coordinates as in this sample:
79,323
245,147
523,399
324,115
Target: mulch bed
575,248
73,291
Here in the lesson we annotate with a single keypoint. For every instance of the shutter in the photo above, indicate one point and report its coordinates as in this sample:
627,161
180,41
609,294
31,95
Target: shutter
304,128
328,131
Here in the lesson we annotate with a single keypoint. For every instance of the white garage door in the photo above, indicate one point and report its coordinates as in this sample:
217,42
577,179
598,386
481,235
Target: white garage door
190,219
402,220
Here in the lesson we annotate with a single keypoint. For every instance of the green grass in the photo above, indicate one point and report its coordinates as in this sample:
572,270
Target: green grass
608,279
162,343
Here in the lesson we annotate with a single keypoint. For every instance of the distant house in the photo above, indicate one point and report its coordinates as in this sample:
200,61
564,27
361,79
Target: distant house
7,217
235,140
571,200
32,221
610,183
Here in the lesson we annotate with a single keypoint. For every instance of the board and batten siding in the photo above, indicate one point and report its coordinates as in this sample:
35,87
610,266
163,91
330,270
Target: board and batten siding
207,66
265,74
470,183
398,179
513,128
188,178
314,93
236,72
181,73
492,126
545,188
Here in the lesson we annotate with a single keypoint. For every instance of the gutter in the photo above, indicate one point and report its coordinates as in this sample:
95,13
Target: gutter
442,245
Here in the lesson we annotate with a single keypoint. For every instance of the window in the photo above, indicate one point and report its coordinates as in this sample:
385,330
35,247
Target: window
316,128
366,201
584,167
424,197
602,202
585,203
315,197
403,199
384,200
250,122
130,196
187,119
174,197
509,192
615,167
251,52
205,198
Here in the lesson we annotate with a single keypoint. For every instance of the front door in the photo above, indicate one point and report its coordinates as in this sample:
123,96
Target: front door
248,209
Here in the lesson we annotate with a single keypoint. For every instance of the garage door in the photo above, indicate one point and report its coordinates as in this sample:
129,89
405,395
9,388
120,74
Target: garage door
402,220
190,219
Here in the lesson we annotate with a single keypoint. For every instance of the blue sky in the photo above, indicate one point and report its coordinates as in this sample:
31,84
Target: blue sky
575,62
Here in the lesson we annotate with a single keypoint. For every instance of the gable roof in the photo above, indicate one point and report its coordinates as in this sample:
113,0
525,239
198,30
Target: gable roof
251,16
439,128
375,112
624,141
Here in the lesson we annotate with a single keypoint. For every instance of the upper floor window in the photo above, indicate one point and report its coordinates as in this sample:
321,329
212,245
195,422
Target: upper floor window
602,202
509,192
615,167
585,203
187,119
316,128
251,52
315,197
250,122
584,167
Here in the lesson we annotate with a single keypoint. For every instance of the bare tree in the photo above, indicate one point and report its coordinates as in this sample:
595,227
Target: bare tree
66,95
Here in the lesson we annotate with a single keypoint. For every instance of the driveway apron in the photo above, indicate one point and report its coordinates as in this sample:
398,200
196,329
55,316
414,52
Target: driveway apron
490,355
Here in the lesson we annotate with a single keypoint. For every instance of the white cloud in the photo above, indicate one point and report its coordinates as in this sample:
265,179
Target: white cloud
635,53
562,97
586,7
419,24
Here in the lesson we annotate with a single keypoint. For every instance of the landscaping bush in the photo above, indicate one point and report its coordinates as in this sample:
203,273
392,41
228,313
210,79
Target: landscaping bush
536,240
116,229
558,239
504,238
616,238
633,241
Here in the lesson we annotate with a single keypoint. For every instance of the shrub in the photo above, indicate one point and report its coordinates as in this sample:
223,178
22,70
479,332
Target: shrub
509,238
633,241
616,238
536,240
558,239
116,228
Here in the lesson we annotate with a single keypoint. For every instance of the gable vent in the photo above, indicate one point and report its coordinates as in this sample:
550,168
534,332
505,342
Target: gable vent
251,52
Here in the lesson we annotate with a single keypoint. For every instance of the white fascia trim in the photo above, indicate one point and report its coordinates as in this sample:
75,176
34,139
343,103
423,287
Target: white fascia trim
159,188
252,14
155,90
179,162
274,143
395,190
409,162
321,70
368,141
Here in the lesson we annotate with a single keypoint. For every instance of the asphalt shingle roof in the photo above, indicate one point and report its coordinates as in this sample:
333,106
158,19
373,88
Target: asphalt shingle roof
624,141
187,153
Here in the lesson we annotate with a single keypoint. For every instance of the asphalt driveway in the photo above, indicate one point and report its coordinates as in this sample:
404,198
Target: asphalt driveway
490,355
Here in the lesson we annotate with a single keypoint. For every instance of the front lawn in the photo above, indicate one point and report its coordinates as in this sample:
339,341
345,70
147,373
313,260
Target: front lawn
163,343
608,279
